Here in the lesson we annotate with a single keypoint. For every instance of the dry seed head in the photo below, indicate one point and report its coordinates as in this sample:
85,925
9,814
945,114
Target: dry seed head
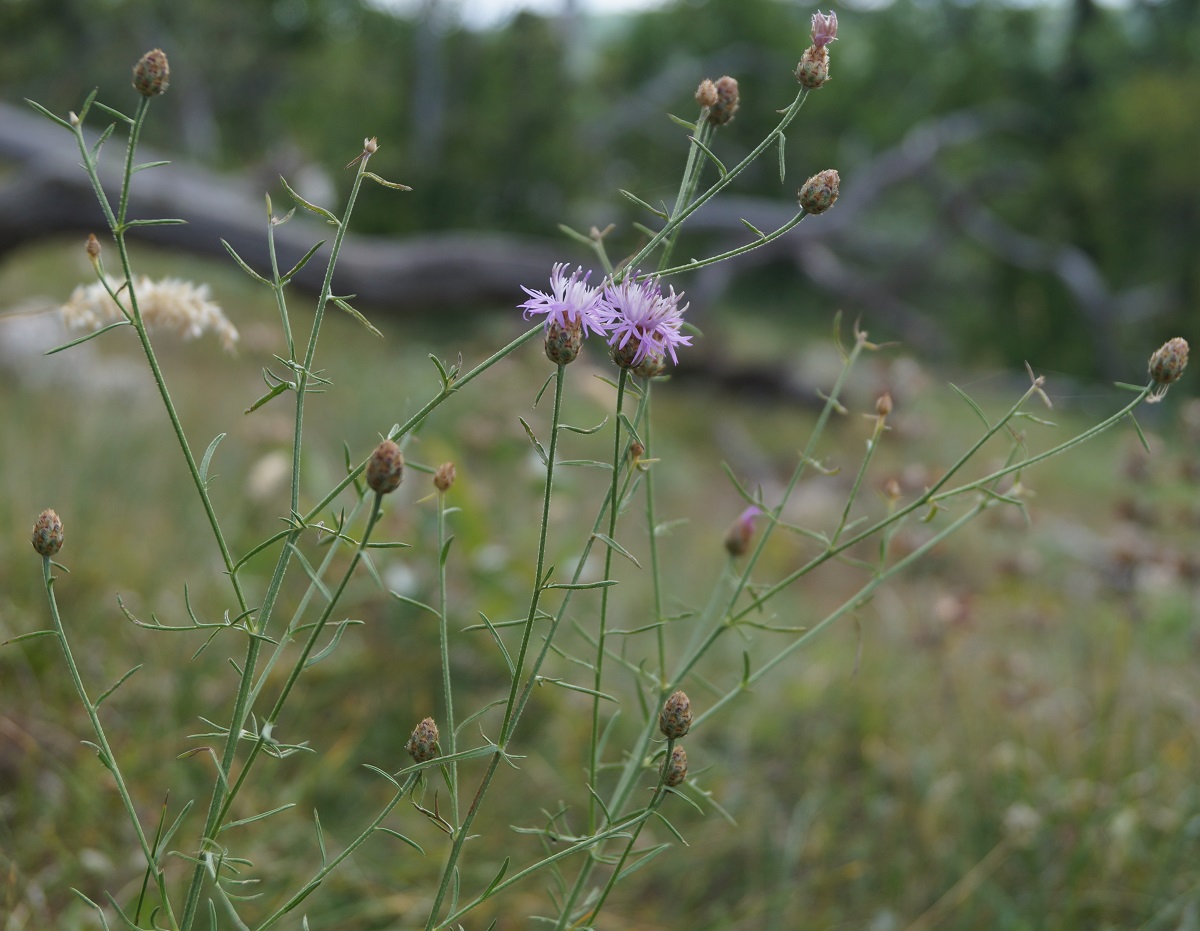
1167,365
386,468
675,767
48,533
706,93
675,719
820,191
151,73
443,478
422,744
726,106
564,342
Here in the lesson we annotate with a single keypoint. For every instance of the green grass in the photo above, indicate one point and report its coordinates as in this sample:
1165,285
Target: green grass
1050,665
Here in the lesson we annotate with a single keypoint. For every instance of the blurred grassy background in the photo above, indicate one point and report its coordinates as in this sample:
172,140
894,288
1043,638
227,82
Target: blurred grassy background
1015,723
1007,738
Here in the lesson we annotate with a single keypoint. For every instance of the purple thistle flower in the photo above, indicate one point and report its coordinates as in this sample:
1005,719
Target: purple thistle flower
639,311
824,28
570,302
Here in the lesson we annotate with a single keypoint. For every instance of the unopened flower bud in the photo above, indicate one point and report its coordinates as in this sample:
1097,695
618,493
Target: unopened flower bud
564,342
675,767
653,365
151,73
93,249
883,405
891,490
813,69
370,146
819,192
443,478
422,744
726,106
48,533
1167,365
386,468
706,93
676,716
741,531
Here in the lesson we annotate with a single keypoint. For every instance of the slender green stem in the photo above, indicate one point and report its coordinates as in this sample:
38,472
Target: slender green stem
598,672
691,179
510,710
679,218
652,537
107,757
333,864
872,445
734,253
444,640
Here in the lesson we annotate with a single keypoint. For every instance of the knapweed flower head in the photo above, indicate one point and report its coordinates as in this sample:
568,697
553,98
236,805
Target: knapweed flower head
675,767
726,105
675,718
385,469
824,28
1167,365
570,303
741,531
820,192
422,743
169,304
48,533
643,321
152,73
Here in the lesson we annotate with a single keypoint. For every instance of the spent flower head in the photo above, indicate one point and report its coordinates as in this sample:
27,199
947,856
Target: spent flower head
824,28
169,304
643,321
571,301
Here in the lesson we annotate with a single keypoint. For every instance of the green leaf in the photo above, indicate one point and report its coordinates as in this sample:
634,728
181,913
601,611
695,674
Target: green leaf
1138,427
534,440
242,265
975,407
259,817
273,393
111,111
579,586
303,261
782,163
583,431
163,221
145,165
208,454
686,124
629,195
116,685
332,645
396,834
103,139
709,152
752,228
50,116
577,236
395,186
32,635
416,604
84,339
319,211
614,545
356,315
320,837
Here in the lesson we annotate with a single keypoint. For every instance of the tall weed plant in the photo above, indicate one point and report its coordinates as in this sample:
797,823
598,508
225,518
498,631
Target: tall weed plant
636,668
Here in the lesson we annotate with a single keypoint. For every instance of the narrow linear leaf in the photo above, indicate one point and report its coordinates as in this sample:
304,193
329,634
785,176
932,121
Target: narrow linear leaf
103,139
320,836
1124,385
32,635
617,547
496,879
259,817
629,195
208,454
680,121
670,826
161,221
319,211
579,586
576,235
300,264
376,769
273,393
537,398
416,604
584,431
170,832
65,125
357,316
782,162
512,670
571,686
332,645
478,714
116,685
975,407
394,185
84,339
145,165
534,440
242,264
712,156
1138,427
590,463
312,574
111,111
396,834
752,228
642,861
